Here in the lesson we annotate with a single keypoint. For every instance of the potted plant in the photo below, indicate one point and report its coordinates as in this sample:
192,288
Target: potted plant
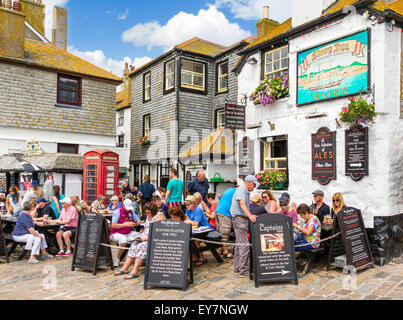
271,179
143,141
269,91
358,111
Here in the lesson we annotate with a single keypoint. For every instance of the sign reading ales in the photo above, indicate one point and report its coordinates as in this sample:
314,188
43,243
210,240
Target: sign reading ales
273,251
168,255
358,253
235,117
324,156
88,253
357,152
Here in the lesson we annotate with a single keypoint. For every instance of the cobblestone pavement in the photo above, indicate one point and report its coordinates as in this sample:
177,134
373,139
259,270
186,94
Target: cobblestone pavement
20,280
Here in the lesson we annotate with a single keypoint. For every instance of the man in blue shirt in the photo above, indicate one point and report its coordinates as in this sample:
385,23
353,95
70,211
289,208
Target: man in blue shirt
199,184
224,218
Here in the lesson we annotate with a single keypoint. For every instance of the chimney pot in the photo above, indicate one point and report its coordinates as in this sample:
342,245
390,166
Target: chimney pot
7,4
131,68
126,66
266,12
17,6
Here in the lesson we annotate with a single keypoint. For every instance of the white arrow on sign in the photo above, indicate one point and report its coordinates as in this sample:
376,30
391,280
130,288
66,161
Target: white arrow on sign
356,165
283,272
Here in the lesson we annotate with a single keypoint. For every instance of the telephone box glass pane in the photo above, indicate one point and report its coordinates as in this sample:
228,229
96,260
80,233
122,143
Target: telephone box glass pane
110,192
110,174
110,180
110,168
110,186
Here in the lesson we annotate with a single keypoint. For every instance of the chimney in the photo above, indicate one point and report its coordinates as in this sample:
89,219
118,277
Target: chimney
12,31
59,27
34,14
265,26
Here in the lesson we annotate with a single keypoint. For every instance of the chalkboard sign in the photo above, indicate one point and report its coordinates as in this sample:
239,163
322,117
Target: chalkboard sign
324,156
246,159
3,244
235,117
357,153
356,245
89,254
168,255
273,251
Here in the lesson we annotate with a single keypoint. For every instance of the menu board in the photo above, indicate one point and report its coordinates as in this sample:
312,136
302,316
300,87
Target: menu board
168,255
246,159
235,117
357,153
324,156
88,253
273,249
358,253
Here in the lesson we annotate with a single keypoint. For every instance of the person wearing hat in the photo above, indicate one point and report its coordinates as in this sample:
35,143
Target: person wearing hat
286,210
123,220
319,208
38,192
85,208
68,219
114,205
43,209
241,215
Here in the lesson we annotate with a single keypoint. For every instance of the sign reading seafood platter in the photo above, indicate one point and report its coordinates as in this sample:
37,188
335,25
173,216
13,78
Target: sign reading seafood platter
336,69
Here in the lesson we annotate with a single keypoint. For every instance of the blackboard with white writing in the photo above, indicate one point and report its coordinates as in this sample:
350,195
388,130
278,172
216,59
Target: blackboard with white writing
324,156
357,152
235,117
89,254
358,252
273,249
168,255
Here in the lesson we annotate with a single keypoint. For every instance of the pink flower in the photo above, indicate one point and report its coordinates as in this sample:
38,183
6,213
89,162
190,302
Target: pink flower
345,111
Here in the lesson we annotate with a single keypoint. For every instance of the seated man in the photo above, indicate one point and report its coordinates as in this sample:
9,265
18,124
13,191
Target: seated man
161,206
285,209
319,208
44,210
98,206
123,220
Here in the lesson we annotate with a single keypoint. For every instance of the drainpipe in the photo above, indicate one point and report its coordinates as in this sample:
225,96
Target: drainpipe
178,70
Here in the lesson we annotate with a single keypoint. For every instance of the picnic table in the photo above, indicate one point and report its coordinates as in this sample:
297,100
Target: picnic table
203,233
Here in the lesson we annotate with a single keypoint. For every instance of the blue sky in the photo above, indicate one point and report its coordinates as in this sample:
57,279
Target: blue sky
109,33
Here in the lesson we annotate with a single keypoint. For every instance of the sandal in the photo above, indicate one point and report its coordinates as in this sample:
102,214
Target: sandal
200,263
228,255
130,276
119,273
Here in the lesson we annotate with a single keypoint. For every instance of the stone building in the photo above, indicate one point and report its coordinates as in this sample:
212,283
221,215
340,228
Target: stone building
315,48
178,99
49,95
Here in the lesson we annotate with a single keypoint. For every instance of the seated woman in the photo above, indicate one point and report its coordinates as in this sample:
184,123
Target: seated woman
68,218
138,249
309,236
210,212
176,213
14,202
25,232
114,205
98,206
337,205
269,202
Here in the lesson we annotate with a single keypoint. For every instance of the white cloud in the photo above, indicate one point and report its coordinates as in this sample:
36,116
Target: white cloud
48,14
253,9
210,24
124,15
98,58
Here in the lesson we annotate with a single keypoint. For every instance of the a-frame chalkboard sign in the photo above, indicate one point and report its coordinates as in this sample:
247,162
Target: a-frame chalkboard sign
169,255
354,239
3,244
273,252
89,254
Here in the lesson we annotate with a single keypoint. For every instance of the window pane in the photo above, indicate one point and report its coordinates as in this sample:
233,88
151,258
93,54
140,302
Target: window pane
110,168
186,78
91,192
269,57
68,84
284,63
198,68
223,69
147,94
170,67
276,55
68,96
187,65
276,65
284,52
147,80
223,83
170,81
198,81
269,68
91,179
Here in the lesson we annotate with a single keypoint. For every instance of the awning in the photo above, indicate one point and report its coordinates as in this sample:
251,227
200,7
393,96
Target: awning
220,143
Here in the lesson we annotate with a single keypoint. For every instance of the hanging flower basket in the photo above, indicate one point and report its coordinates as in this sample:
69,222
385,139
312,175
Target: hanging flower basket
269,91
143,141
271,179
358,111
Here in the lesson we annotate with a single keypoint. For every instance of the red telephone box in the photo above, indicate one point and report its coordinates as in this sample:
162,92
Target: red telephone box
101,175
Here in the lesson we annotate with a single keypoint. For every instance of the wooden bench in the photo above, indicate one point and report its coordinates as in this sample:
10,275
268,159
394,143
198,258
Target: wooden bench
312,255
9,239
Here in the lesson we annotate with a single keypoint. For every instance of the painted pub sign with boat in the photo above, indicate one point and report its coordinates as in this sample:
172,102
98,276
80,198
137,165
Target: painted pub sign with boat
336,69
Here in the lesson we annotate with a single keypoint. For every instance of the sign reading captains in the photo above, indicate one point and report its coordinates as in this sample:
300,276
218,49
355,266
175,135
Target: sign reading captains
339,68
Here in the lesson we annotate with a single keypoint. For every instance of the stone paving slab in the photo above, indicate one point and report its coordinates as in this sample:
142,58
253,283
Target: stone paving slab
54,280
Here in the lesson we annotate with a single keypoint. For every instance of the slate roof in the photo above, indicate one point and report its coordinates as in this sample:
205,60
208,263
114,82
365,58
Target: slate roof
122,99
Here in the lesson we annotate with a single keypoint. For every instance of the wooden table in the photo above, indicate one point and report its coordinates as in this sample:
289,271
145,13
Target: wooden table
202,233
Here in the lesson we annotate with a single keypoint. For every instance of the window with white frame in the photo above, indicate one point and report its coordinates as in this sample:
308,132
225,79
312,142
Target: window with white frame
121,116
275,154
147,125
170,75
147,86
193,75
220,119
276,62
222,81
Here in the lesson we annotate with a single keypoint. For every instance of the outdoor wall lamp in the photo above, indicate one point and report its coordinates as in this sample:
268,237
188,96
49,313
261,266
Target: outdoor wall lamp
251,61
315,115
338,123
255,126
272,125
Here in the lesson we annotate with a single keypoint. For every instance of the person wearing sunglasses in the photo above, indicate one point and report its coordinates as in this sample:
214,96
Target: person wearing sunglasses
114,205
286,210
269,202
337,205
319,208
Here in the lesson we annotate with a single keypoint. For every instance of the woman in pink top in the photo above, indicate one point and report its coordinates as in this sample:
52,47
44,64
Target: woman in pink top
68,218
